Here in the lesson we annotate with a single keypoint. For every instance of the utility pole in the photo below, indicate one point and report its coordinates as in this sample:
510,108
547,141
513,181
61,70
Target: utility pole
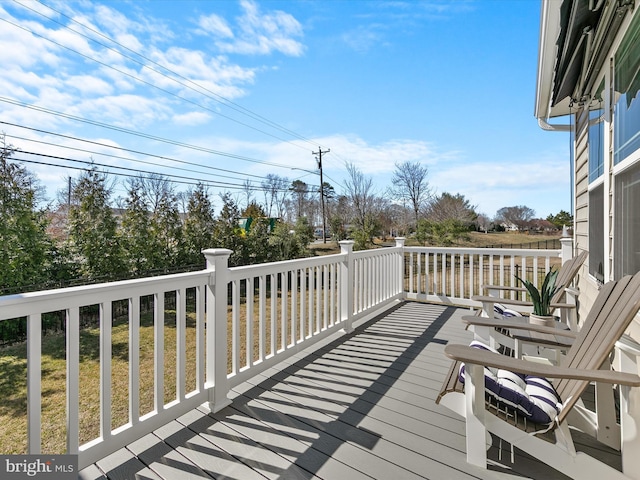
319,160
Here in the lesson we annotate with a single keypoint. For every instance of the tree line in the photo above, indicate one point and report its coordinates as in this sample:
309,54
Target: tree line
89,234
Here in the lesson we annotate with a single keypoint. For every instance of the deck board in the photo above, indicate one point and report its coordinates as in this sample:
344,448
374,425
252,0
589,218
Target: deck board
359,405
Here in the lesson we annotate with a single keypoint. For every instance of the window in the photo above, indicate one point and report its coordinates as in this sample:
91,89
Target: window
626,126
596,232
596,137
627,218
626,85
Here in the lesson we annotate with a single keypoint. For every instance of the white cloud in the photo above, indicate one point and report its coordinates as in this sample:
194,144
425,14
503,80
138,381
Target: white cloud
114,22
194,75
128,111
214,25
89,85
262,33
363,38
497,184
191,118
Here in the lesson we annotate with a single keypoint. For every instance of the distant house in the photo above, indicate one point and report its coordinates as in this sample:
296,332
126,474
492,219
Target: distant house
587,85
540,225
509,227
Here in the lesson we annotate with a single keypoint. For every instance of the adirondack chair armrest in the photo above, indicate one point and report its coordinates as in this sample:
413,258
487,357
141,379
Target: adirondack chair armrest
504,288
515,324
477,356
516,303
503,301
563,305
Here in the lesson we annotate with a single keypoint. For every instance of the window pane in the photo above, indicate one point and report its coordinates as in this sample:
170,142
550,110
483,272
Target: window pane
627,221
596,234
596,144
627,84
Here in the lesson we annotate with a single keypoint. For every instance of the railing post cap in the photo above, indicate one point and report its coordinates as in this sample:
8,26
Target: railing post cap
400,241
217,252
346,245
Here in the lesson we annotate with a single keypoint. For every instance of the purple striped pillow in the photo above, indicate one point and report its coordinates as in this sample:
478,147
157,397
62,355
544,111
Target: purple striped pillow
534,398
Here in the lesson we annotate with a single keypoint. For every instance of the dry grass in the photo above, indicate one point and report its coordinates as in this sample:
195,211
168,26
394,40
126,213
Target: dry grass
13,372
476,239
13,392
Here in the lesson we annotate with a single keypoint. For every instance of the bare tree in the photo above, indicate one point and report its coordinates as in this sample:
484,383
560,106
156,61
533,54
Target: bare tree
451,207
153,188
247,189
410,185
366,205
484,222
275,193
520,216
359,189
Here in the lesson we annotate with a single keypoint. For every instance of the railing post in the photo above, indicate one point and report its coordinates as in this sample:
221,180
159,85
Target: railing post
566,246
216,324
346,285
400,278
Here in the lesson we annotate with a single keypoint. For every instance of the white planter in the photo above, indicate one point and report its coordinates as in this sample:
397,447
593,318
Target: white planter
547,320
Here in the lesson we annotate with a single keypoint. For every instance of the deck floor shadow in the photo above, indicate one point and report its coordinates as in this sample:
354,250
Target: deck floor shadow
359,405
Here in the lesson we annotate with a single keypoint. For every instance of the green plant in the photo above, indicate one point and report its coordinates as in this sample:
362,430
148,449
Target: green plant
541,299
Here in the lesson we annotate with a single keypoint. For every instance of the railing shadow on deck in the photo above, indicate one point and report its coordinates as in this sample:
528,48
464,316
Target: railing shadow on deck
292,390
291,425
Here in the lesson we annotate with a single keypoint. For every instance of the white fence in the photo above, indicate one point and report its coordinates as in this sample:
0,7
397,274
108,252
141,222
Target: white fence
230,324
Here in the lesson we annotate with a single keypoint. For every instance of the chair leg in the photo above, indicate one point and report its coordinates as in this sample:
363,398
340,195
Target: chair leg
608,429
475,413
629,415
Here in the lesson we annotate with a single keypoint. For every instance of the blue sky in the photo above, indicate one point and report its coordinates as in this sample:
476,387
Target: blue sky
257,86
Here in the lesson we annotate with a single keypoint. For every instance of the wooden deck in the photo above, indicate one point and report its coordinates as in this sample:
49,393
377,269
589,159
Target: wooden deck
359,406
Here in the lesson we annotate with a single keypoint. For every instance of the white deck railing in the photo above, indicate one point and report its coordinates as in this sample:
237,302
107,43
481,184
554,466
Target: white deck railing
264,313
455,275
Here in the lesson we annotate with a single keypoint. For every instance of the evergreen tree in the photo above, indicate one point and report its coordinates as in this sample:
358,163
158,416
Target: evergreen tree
92,228
256,247
166,232
227,233
198,226
26,247
561,219
254,210
135,231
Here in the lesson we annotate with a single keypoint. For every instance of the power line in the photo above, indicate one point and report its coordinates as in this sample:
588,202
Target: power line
170,177
227,102
139,134
150,84
209,183
189,84
127,169
161,157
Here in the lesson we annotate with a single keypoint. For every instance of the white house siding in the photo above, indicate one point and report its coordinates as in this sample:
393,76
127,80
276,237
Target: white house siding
588,287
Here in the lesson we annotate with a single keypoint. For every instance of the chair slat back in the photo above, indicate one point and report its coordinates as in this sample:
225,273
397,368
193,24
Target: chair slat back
566,274
613,311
